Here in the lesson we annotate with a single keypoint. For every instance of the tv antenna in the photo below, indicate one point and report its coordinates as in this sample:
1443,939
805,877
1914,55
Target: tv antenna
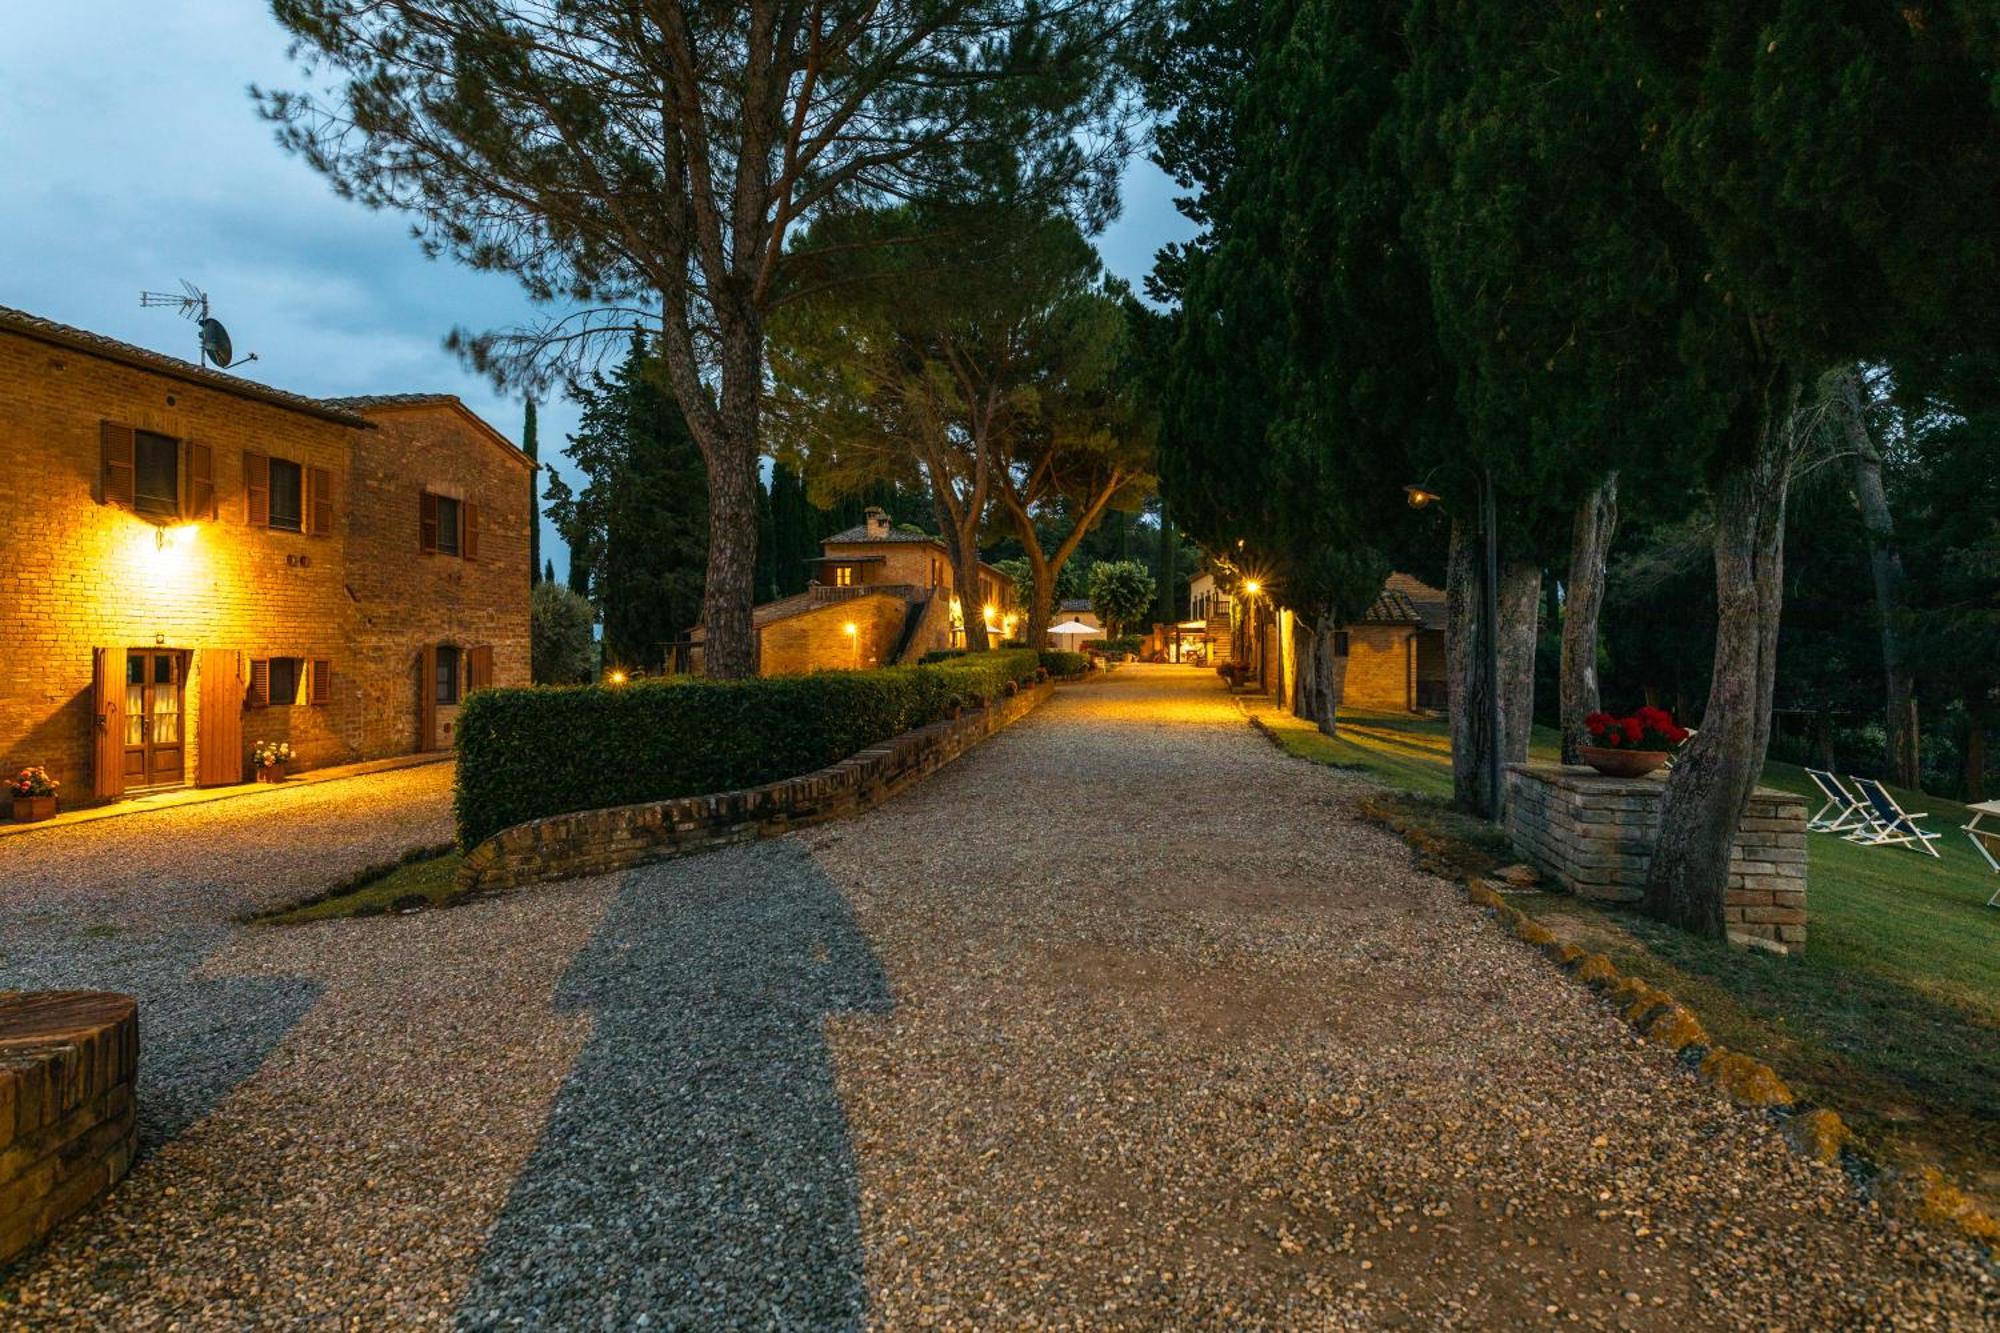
192,303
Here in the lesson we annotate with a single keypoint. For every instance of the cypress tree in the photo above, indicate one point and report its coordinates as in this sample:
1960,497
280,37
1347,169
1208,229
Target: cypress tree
531,446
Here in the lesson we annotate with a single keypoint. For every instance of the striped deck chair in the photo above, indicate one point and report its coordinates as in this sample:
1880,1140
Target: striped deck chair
1888,823
1843,811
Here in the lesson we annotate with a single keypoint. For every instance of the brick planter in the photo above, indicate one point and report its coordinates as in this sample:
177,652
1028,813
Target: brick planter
595,842
1595,835
68,1126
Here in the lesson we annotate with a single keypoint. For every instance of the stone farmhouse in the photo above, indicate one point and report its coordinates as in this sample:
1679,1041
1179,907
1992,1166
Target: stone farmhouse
198,563
879,596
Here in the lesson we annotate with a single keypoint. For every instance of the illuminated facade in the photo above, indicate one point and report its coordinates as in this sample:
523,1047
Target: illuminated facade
880,595
198,563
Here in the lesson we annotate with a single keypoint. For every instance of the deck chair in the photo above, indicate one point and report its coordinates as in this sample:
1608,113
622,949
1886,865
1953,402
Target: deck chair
1843,810
1888,823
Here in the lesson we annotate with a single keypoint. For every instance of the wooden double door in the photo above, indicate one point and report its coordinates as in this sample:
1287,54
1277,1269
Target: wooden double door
140,702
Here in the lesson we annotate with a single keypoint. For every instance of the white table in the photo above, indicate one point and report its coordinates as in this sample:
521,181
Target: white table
1986,839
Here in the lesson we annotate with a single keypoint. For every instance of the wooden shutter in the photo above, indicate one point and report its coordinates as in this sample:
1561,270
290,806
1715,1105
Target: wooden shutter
319,502
116,476
479,668
221,722
198,490
468,542
107,703
256,490
427,709
427,523
259,694
320,690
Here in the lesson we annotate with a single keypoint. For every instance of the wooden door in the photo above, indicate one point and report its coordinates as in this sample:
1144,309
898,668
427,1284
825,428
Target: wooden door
155,741
221,760
107,706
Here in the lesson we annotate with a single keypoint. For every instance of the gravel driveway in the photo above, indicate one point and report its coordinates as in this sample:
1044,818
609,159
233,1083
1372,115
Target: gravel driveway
1125,1019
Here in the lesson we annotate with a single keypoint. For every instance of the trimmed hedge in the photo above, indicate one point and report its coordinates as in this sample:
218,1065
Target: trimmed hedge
1065,664
527,753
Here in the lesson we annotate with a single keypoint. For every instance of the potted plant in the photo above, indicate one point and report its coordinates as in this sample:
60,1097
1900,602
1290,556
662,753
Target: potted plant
1631,747
34,795
270,759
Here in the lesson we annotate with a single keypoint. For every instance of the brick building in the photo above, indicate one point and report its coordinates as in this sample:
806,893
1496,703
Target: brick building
198,563
880,595
1395,652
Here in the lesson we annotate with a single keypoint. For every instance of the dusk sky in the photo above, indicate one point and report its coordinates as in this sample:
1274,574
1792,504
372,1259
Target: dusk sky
165,172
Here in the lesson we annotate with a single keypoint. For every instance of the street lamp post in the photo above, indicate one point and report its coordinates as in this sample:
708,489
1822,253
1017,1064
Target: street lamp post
1489,615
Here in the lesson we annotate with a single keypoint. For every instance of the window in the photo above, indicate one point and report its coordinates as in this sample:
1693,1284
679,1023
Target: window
287,496
447,675
156,475
284,687
447,525
1340,643
843,576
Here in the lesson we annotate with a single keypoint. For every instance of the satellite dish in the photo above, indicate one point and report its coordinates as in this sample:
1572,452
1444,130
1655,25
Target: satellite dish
192,302
215,342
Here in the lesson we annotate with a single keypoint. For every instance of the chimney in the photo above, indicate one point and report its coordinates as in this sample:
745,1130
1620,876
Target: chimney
877,519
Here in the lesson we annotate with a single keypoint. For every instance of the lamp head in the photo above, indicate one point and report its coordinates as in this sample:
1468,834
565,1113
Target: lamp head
1420,496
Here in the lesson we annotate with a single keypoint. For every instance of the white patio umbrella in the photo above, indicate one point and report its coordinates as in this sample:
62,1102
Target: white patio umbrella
1075,629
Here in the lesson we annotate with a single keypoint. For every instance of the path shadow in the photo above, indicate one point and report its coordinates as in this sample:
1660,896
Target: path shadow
696,1170
199,1036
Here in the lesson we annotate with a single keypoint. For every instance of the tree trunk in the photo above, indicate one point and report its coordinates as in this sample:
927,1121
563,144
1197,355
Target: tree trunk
1885,559
1466,678
1302,667
730,652
1520,624
1975,747
1822,739
1329,680
1590,542
1711,782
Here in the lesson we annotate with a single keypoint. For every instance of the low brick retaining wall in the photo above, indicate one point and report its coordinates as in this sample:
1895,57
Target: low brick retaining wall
69,1061
594,842
1595,835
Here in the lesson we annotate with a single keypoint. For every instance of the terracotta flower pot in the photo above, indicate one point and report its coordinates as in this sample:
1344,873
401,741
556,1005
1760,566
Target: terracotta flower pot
272,772
1621,763
29,809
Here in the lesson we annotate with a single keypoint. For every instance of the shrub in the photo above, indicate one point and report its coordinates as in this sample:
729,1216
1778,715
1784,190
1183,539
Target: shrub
1063,665
1125,643
940,655
528,753
559,645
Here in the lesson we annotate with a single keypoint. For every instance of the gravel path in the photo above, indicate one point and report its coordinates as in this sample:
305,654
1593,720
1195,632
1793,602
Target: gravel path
1125,1019
1179,1040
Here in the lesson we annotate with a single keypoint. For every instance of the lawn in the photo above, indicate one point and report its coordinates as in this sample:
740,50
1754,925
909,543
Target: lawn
425,877
1891,1015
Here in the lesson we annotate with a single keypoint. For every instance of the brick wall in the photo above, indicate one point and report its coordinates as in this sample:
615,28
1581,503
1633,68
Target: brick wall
1595,835
817,640
68,1119
1381,668
404,598
82,575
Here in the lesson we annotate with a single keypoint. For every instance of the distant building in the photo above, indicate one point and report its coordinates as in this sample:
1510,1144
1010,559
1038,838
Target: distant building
198,562
880,595
1395,652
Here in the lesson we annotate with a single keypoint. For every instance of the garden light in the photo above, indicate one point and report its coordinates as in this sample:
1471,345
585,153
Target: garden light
617,678
1252,587
1420,496
850,629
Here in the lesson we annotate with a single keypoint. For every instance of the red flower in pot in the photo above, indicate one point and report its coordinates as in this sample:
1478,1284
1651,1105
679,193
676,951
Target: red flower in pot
1632,746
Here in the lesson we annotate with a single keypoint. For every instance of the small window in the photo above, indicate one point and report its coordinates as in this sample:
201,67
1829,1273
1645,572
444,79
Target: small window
156,483
447,675
287,495
843,576
284,681
447,530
